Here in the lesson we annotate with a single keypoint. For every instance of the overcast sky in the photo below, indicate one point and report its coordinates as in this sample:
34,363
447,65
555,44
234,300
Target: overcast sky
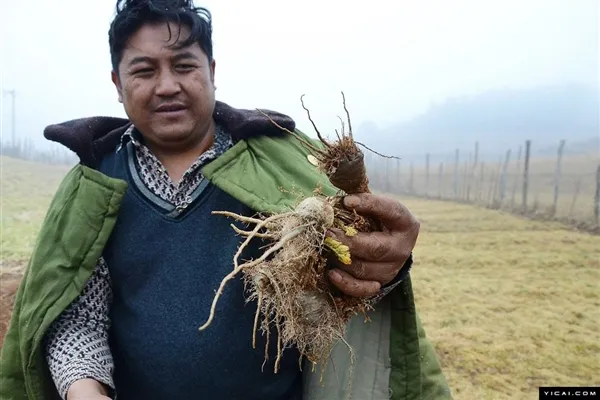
392,58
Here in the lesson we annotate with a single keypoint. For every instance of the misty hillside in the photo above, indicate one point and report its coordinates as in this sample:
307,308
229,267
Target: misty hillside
498,119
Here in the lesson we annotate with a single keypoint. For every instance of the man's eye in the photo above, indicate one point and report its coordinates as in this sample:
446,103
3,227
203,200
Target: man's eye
185,67
143,71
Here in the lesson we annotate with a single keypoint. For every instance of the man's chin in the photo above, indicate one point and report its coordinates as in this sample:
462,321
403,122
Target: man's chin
174,135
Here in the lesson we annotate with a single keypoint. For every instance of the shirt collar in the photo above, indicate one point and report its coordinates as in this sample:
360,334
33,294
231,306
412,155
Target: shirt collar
133,135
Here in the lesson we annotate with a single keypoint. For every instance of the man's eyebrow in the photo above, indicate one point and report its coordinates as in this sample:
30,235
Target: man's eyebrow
185,55
178,57
139,60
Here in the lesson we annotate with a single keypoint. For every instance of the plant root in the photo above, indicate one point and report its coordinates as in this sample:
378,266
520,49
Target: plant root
289,282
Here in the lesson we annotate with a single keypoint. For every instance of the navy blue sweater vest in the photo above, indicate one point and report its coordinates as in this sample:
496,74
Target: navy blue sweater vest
165,267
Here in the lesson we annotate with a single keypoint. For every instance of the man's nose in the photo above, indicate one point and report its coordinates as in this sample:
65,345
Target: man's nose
167,85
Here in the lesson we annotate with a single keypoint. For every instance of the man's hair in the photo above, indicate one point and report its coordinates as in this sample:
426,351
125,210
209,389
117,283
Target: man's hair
131,15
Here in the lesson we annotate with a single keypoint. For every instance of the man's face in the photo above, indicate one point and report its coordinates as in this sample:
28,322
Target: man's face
168,94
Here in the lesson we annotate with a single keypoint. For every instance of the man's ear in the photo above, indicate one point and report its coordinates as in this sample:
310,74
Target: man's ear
213,64
115,79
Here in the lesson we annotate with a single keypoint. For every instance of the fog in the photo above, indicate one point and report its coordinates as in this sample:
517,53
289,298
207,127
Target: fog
393,60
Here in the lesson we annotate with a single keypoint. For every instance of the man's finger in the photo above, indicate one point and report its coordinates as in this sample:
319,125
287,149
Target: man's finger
351,286
392,213
367,270
376,246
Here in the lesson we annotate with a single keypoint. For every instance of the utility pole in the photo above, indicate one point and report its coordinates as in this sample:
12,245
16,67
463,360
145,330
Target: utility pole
13,95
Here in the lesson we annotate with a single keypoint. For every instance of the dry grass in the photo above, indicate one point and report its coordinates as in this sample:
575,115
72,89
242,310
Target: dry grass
510,304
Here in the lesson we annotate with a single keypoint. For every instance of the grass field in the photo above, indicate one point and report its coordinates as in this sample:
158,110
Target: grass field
510,304
27,190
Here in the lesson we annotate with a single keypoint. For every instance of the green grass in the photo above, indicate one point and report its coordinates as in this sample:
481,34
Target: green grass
510,304
26,191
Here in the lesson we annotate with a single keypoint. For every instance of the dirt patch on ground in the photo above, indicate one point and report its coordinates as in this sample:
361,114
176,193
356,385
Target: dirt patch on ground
9,283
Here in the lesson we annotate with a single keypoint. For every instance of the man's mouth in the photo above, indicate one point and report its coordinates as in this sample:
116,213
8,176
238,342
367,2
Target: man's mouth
170,108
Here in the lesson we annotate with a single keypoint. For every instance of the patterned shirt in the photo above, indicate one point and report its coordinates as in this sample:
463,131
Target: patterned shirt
77,342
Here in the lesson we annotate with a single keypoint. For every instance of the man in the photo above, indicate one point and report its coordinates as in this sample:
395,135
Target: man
129,255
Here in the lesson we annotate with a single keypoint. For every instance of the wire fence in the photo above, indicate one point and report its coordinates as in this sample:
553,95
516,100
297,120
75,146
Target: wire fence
565,187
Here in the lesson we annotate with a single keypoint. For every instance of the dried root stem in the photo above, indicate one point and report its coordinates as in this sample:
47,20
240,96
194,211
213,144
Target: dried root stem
249,233
342,160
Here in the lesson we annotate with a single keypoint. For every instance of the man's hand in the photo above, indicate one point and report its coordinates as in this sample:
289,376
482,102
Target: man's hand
87,389
377,257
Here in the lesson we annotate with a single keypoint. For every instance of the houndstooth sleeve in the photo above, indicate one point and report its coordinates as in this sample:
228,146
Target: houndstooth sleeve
77,342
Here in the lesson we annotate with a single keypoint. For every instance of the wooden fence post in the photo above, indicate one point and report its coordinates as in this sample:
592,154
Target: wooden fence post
491,188
597,197
472,178
526,174
514,189
495,185
561,147
465,183
503,179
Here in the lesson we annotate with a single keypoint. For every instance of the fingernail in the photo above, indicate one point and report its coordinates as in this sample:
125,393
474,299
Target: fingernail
335,276
333,233
351,201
